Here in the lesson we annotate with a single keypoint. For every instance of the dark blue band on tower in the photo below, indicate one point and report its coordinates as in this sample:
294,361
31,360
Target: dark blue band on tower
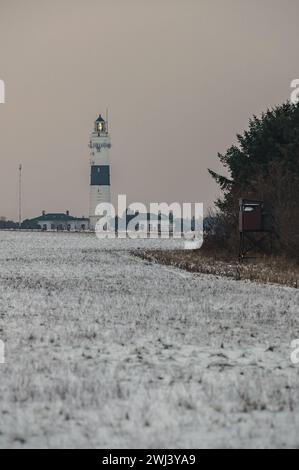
100,175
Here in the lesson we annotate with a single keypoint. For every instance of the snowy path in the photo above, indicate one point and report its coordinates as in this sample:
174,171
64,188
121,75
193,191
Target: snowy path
105,350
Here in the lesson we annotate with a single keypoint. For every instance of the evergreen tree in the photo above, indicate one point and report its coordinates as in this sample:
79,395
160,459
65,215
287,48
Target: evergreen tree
265,165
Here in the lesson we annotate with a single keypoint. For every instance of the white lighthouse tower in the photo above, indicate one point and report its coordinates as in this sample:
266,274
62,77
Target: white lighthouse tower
100,145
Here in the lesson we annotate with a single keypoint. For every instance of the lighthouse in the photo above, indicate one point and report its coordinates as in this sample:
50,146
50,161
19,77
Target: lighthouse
100,145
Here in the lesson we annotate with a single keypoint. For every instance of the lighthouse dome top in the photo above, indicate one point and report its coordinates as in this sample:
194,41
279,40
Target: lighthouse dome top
100,119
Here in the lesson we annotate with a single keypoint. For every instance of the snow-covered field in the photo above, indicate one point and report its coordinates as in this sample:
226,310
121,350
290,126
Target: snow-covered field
106,350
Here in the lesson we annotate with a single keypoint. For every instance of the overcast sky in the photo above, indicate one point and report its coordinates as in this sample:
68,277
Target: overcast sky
180,78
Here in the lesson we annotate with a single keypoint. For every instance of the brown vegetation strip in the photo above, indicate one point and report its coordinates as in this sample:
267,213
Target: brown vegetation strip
265,270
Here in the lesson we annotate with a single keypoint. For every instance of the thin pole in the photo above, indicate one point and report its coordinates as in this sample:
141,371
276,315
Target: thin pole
20,195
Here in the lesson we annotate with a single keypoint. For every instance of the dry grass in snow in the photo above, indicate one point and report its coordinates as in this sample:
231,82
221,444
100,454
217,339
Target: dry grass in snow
106,350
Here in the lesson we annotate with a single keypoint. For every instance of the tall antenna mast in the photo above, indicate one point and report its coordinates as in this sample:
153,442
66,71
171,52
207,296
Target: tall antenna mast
20,195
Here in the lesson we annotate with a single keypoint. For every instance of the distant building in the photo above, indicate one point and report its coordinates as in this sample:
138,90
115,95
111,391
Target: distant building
57,221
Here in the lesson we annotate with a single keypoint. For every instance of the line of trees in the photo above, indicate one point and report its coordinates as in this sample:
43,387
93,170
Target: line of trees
7,224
